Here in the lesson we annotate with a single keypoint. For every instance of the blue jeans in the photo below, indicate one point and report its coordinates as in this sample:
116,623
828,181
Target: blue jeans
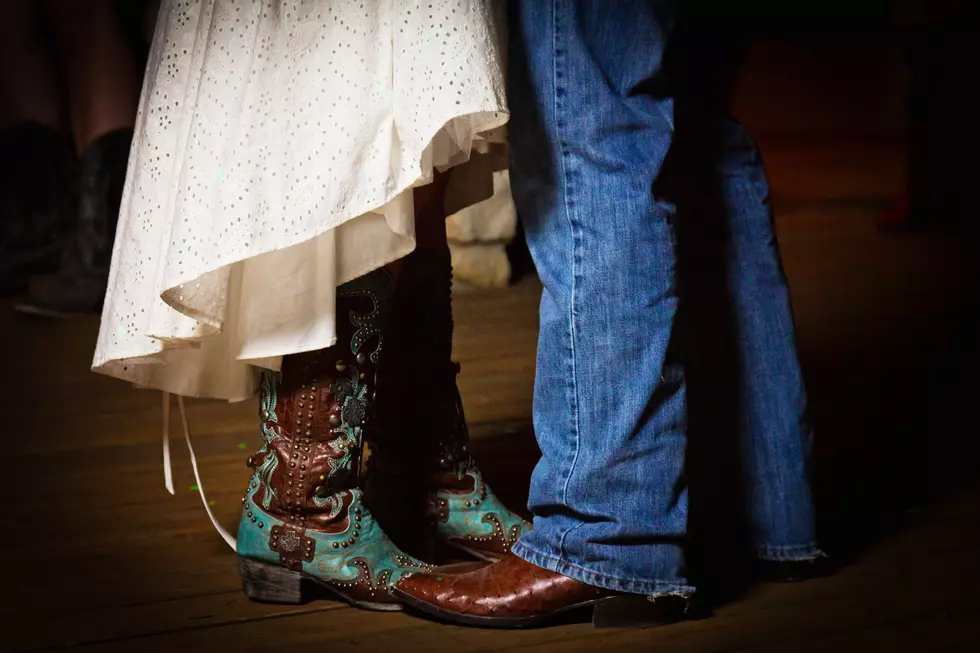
592,121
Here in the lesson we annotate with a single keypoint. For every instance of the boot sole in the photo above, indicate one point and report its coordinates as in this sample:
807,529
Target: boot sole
624,611
16,270
269,583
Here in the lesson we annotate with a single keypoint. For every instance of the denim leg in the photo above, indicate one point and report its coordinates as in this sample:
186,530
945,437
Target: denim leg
591,123
773,426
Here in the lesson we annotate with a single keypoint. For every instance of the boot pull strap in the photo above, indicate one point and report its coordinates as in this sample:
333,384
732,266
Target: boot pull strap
168,471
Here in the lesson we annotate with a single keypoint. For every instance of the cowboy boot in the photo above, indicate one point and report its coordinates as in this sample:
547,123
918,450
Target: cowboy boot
513,593
38,170
420,463
303,516
79,285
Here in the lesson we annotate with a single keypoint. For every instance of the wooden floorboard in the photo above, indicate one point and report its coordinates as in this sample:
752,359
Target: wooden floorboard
99,557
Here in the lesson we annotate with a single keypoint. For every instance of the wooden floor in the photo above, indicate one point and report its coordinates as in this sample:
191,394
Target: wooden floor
99,557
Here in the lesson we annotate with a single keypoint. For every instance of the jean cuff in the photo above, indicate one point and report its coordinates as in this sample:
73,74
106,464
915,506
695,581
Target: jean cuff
605,581
796,553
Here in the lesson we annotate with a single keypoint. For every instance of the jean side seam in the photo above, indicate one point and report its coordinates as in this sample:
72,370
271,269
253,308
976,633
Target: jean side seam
572,388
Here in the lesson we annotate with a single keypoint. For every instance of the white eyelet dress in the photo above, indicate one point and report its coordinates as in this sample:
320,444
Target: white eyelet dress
276,148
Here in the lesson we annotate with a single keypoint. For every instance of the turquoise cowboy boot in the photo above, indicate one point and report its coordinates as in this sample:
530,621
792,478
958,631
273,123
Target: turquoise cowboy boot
422,481
304,517
464,512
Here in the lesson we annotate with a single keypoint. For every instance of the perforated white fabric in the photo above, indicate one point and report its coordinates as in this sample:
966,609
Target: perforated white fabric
276,147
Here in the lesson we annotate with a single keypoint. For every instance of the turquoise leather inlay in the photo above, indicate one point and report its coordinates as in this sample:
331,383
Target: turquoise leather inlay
267,414
478,514
348,441
361,554
253,537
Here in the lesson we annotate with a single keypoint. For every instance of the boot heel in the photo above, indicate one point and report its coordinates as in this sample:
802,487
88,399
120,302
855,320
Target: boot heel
638,611
270,583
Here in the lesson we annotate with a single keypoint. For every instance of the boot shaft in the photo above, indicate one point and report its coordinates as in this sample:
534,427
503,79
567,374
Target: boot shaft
312,415
418,417
102,177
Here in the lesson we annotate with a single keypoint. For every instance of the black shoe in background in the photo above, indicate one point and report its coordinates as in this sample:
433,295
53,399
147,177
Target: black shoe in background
38,175
78,287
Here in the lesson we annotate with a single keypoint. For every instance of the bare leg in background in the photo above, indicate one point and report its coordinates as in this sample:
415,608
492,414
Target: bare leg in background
102,79
28,81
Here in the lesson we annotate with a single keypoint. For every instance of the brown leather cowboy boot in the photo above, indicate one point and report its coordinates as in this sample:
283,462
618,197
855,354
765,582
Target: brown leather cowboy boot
303,516
422,480
513,593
